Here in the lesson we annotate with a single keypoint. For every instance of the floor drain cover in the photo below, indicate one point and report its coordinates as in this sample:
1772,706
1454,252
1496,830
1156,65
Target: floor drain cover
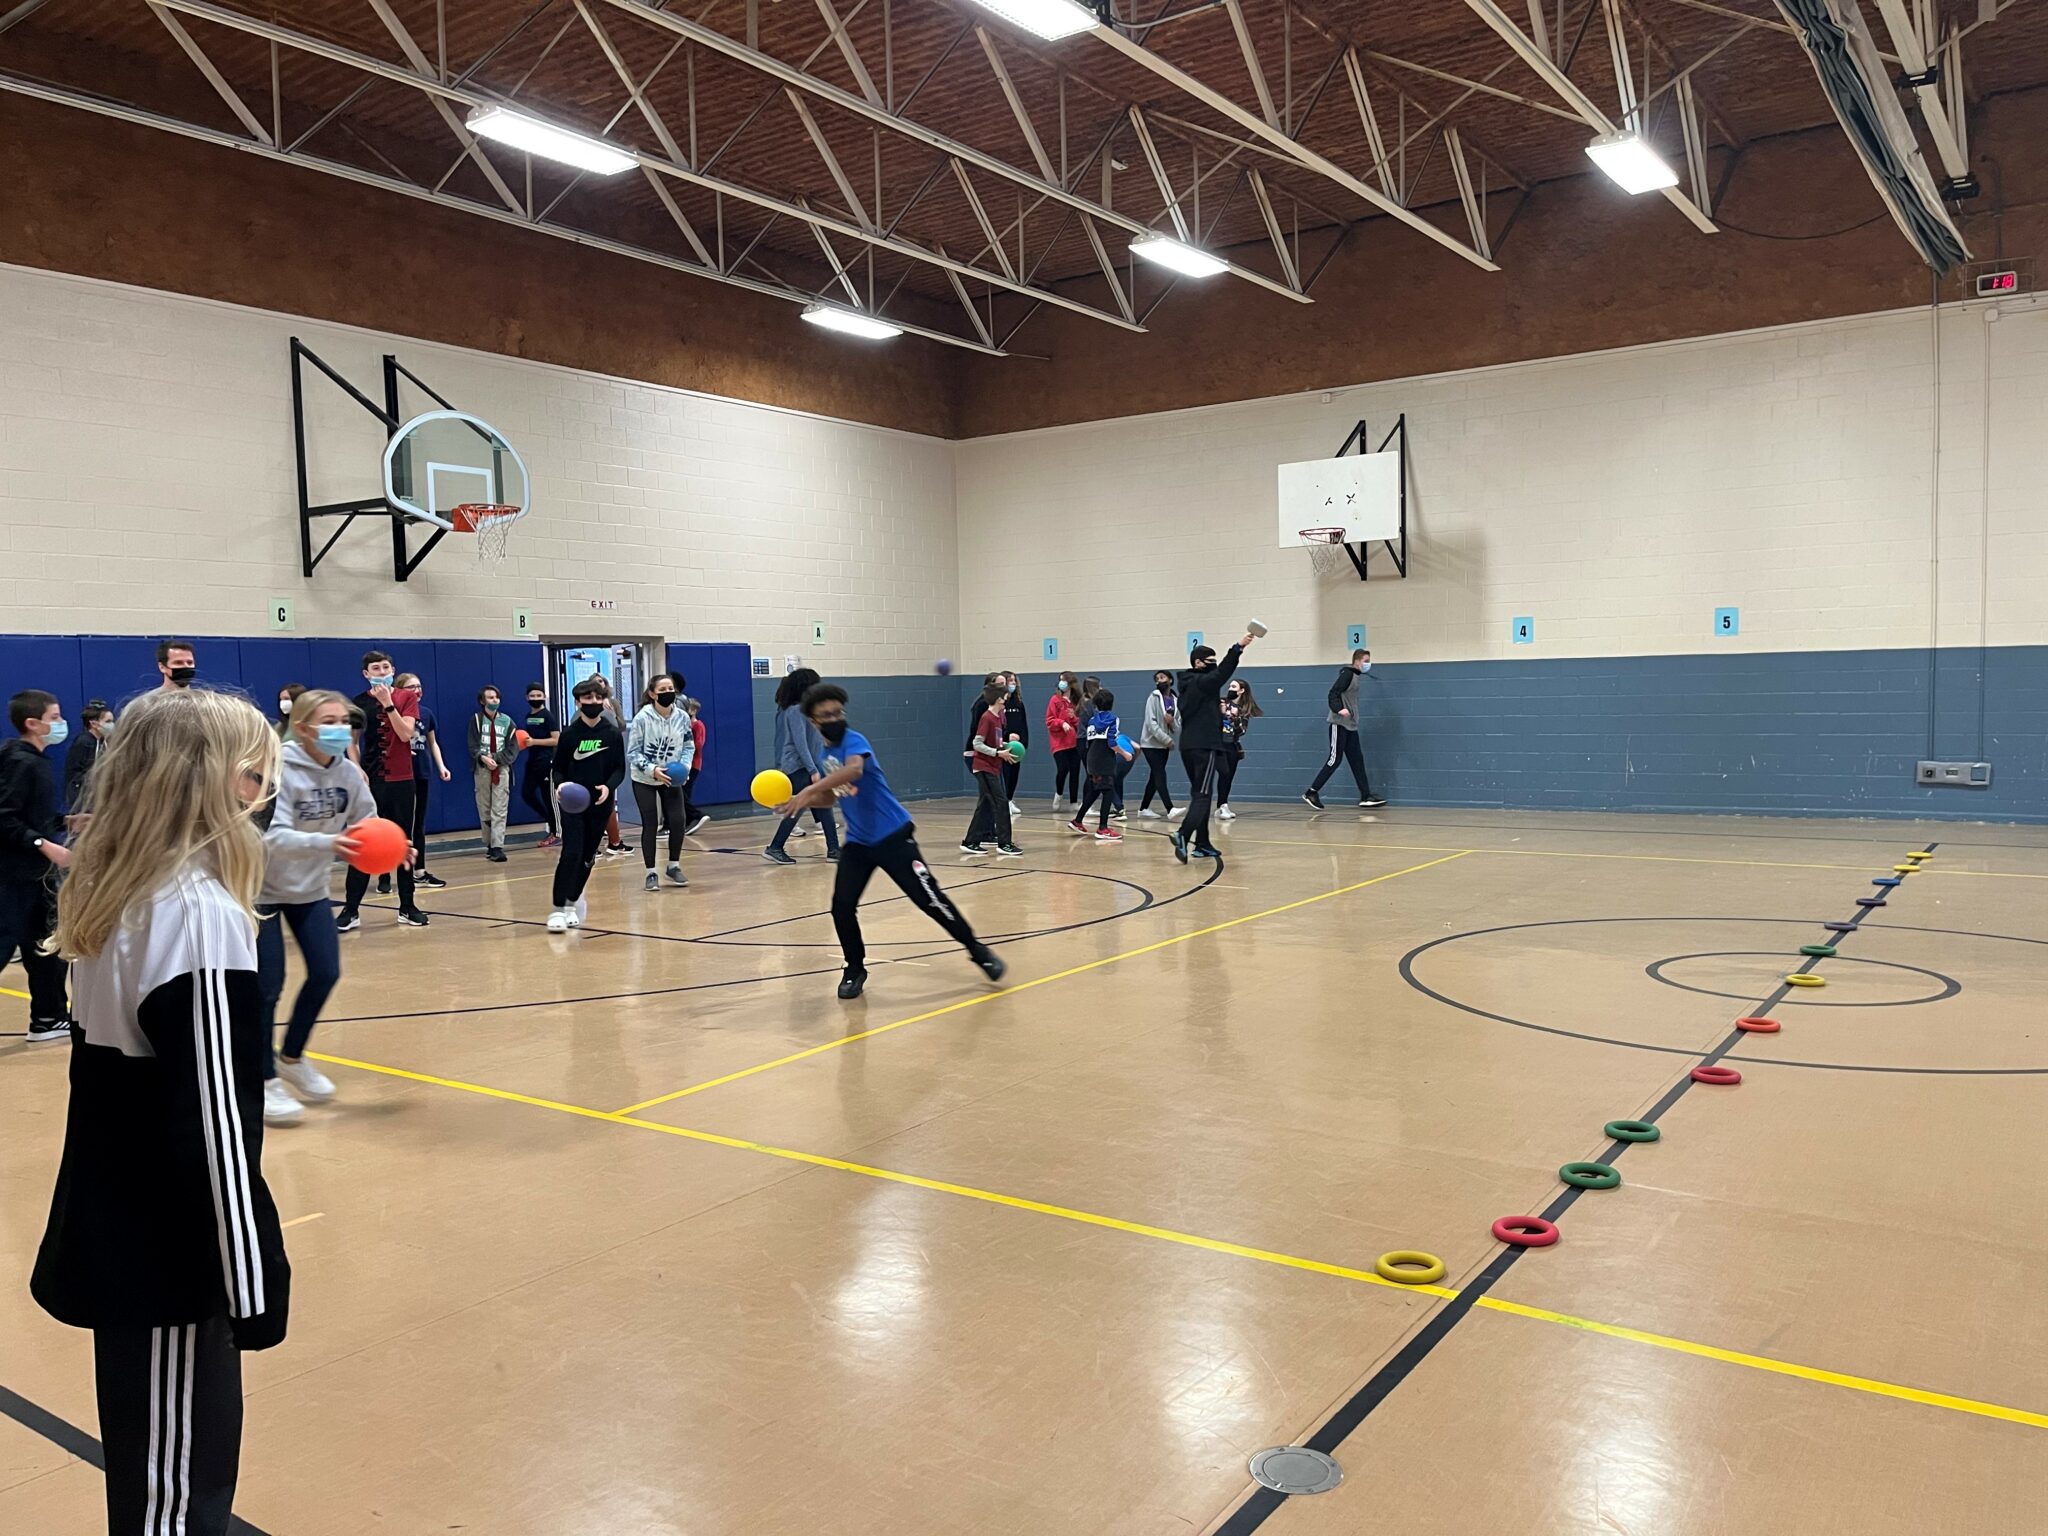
1296,1469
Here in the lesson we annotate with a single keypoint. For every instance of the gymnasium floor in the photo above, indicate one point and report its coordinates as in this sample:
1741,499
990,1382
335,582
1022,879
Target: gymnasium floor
639,1230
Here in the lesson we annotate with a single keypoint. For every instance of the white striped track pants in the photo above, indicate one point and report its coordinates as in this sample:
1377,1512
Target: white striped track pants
171,1423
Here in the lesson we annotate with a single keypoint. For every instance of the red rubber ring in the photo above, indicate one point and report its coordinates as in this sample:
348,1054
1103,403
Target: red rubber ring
1759,1026
1720,1077
1525,1231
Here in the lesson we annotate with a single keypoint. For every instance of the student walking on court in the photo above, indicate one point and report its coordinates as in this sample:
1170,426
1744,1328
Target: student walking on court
660,747
1103,756
1240,709
1063,738
162,1238
32,856
989,827
1017,728
493,746
798,747
390,717
1156,738
426,745
592,755
879,835
97,720
1342,720
614,845
1202,742
694,819
536,785
321,795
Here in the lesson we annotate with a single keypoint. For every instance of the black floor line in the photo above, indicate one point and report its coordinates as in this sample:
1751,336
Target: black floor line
68,1437
1381,1385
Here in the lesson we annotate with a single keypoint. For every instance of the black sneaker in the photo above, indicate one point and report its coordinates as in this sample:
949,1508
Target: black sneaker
496,855
1180,846
972,850
1310,797
383,885
696,826
1009,850
348,922
43,1031
990,962
1207,853
413,918
776,856
850,985
831,855
430,881
1371,803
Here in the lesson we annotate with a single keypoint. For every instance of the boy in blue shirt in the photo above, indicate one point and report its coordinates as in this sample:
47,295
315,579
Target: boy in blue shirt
1099,738
879,835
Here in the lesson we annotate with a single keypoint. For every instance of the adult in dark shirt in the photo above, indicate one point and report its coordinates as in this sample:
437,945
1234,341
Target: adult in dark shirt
390,716
536,791
32,851
1202,741
84,750
177,663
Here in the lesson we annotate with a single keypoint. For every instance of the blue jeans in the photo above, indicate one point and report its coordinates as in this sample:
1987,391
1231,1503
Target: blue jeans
312,924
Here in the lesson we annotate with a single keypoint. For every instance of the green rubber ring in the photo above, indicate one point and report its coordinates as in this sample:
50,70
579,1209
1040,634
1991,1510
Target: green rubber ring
1822,950
1589,1175
1631,1130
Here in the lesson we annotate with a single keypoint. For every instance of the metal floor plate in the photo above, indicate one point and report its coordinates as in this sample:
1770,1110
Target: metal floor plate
1296,1469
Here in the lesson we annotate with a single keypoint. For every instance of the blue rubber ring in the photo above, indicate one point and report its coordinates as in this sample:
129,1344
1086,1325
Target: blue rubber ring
1888,880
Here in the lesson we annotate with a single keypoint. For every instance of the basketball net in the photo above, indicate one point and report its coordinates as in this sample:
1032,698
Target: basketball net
491,522
1325,550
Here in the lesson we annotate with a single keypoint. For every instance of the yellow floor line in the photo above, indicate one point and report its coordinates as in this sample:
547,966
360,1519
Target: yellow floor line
1640,858
9,991
1025,986
1235,1250
300,1221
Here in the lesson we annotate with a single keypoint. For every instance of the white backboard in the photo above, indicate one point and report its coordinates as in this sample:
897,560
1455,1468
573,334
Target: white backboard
1360,493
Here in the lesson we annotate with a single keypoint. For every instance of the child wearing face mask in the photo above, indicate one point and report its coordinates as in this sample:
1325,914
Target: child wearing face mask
1063,736
1344,735
426,763
31,852
535,787
591,753
660,747
694,819
287,696
1156,739
321,795
492,747
1240,709
390,716
1104,758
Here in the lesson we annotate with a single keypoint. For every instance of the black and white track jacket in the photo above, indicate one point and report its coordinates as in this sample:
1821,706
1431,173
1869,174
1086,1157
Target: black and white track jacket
161,1215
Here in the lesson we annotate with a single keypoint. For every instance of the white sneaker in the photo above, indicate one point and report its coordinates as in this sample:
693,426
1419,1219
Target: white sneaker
279,1107
558,920
1176,813
1149,815
579,912
1227,813
1016,809
307,1079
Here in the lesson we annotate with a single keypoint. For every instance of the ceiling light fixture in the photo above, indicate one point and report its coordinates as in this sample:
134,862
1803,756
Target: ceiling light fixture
1049,19
1184,259
1634,166
850,322
550,142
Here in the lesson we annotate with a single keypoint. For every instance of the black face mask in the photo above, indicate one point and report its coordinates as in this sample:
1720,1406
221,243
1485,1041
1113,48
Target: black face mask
664,699
1165,687
183,676
834,731
591,711
536,703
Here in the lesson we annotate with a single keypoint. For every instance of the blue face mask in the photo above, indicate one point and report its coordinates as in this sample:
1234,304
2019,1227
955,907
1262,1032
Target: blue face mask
60,732
334,739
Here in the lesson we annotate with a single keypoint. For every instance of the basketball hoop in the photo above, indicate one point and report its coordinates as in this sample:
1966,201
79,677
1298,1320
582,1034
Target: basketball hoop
1325,550
491,522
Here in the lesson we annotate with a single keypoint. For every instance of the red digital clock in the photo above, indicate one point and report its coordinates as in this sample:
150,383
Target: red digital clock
1990,283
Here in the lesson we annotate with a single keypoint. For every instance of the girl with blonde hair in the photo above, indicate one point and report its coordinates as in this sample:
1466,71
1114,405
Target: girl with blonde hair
163,1239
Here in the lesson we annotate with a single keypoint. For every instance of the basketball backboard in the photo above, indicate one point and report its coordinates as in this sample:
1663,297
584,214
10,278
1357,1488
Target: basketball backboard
1359,493
445,459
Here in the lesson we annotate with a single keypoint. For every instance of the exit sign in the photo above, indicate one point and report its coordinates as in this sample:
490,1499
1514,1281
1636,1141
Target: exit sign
1990,284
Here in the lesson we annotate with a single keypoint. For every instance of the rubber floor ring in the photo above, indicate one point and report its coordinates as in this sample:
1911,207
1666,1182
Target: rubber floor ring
1822,951
1869,901
1887,881
1589,1175
1759,1026
1840,927
1404,1266
1525,1231
1631,1130
1904,869
1920,853
1806,979
1720,1077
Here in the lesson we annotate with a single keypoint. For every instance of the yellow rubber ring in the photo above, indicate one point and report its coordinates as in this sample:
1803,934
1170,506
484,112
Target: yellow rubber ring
1918,854
1404,1266
1806,979
1905,869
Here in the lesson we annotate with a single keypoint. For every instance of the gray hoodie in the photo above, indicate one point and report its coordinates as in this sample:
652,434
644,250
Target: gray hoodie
1160,727
314,806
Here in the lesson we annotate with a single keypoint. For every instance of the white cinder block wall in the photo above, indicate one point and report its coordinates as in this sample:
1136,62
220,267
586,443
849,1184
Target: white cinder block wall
1618,499
147,485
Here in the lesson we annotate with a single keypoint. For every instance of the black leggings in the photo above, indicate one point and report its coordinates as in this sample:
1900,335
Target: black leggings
1226,772
899,857
1066,773
660,802
394,803
537,794
1103,789
1155,778
582,837
1011,769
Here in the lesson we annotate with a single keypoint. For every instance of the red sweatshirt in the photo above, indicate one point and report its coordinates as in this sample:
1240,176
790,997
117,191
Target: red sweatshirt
1060,727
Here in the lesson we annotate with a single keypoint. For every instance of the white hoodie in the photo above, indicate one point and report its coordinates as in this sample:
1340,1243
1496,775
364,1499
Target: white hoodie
314,806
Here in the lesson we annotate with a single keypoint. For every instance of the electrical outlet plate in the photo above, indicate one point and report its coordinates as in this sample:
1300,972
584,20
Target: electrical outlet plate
1954,775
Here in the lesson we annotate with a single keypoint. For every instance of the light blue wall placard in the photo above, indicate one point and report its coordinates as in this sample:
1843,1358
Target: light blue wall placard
1052,649
1355,637
1727,621
1194,638
1524,631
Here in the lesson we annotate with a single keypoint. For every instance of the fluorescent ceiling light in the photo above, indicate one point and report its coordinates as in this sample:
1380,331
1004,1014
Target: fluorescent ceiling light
1635,167
853,324
1184,259
1049,19
548,141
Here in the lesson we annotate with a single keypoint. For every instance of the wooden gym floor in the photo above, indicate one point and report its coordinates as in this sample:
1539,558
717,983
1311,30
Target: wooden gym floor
638,1230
